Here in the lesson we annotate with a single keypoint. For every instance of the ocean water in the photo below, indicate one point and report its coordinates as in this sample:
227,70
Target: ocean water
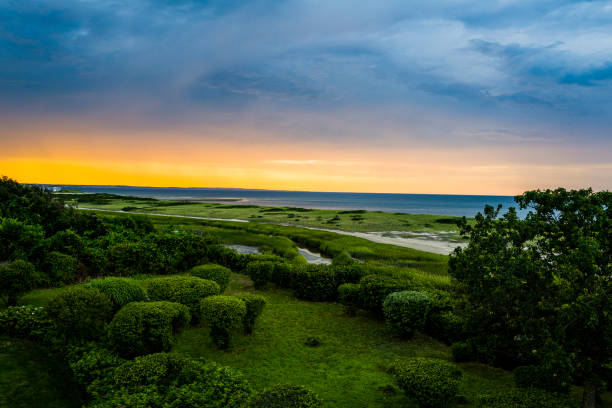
442,204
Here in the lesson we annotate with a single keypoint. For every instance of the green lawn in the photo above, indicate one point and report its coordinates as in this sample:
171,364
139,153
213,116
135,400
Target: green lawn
346,370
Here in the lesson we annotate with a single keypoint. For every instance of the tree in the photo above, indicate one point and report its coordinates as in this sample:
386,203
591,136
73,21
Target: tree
539,289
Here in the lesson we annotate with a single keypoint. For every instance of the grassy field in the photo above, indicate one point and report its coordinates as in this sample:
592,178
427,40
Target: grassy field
348,368
355,220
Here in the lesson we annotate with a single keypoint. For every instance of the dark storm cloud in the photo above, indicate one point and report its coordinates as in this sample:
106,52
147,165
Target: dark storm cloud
183,59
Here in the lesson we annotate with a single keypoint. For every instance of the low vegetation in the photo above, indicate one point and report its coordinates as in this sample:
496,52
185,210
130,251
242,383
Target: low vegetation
132,311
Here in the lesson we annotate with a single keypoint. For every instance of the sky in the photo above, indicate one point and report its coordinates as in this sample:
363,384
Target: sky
448,96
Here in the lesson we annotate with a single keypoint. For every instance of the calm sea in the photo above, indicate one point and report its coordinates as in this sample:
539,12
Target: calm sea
460,205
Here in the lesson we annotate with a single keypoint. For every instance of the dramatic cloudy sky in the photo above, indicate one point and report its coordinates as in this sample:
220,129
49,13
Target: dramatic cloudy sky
452,96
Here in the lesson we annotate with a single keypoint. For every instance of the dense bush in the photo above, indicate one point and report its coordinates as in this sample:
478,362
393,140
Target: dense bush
553,379
80,313
17,278
281,275
350,273
94,368
286,396
260,272
343,258
170,381
314,282
446,326
19,240
121,291
406,312
375,288
525,398
254,306
349,294
147,327
60,268
186,290
25,322
227,257
431,383
462,352
223,314
213,272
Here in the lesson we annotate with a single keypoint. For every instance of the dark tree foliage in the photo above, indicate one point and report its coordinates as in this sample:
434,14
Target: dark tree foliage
540,288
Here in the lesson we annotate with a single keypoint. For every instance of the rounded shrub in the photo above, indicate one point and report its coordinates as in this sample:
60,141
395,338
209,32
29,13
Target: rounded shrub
254,306
223,314
281,275
431,383
445,325
213,272
121,291
406,312
375,288
186,290
81,313
349,296
147,327
260,272
17,278
286,396
343,258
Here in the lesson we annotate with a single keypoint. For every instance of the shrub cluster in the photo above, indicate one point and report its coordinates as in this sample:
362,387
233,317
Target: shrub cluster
462,351
121,291
223,314
186,290
431,383
286,396
80,313
60,268
213,272
147,327
375,288
26,322
254,306
167,380
406,312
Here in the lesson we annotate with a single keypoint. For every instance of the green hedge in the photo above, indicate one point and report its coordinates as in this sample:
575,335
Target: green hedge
431,383
121,291
186,290
26,322
286,396
349,294
223,314
80,313
147,327
375,288
260,272
314,282
406,312
213,272
254,306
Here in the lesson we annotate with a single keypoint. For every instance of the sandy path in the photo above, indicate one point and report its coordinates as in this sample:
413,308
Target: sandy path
430,243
